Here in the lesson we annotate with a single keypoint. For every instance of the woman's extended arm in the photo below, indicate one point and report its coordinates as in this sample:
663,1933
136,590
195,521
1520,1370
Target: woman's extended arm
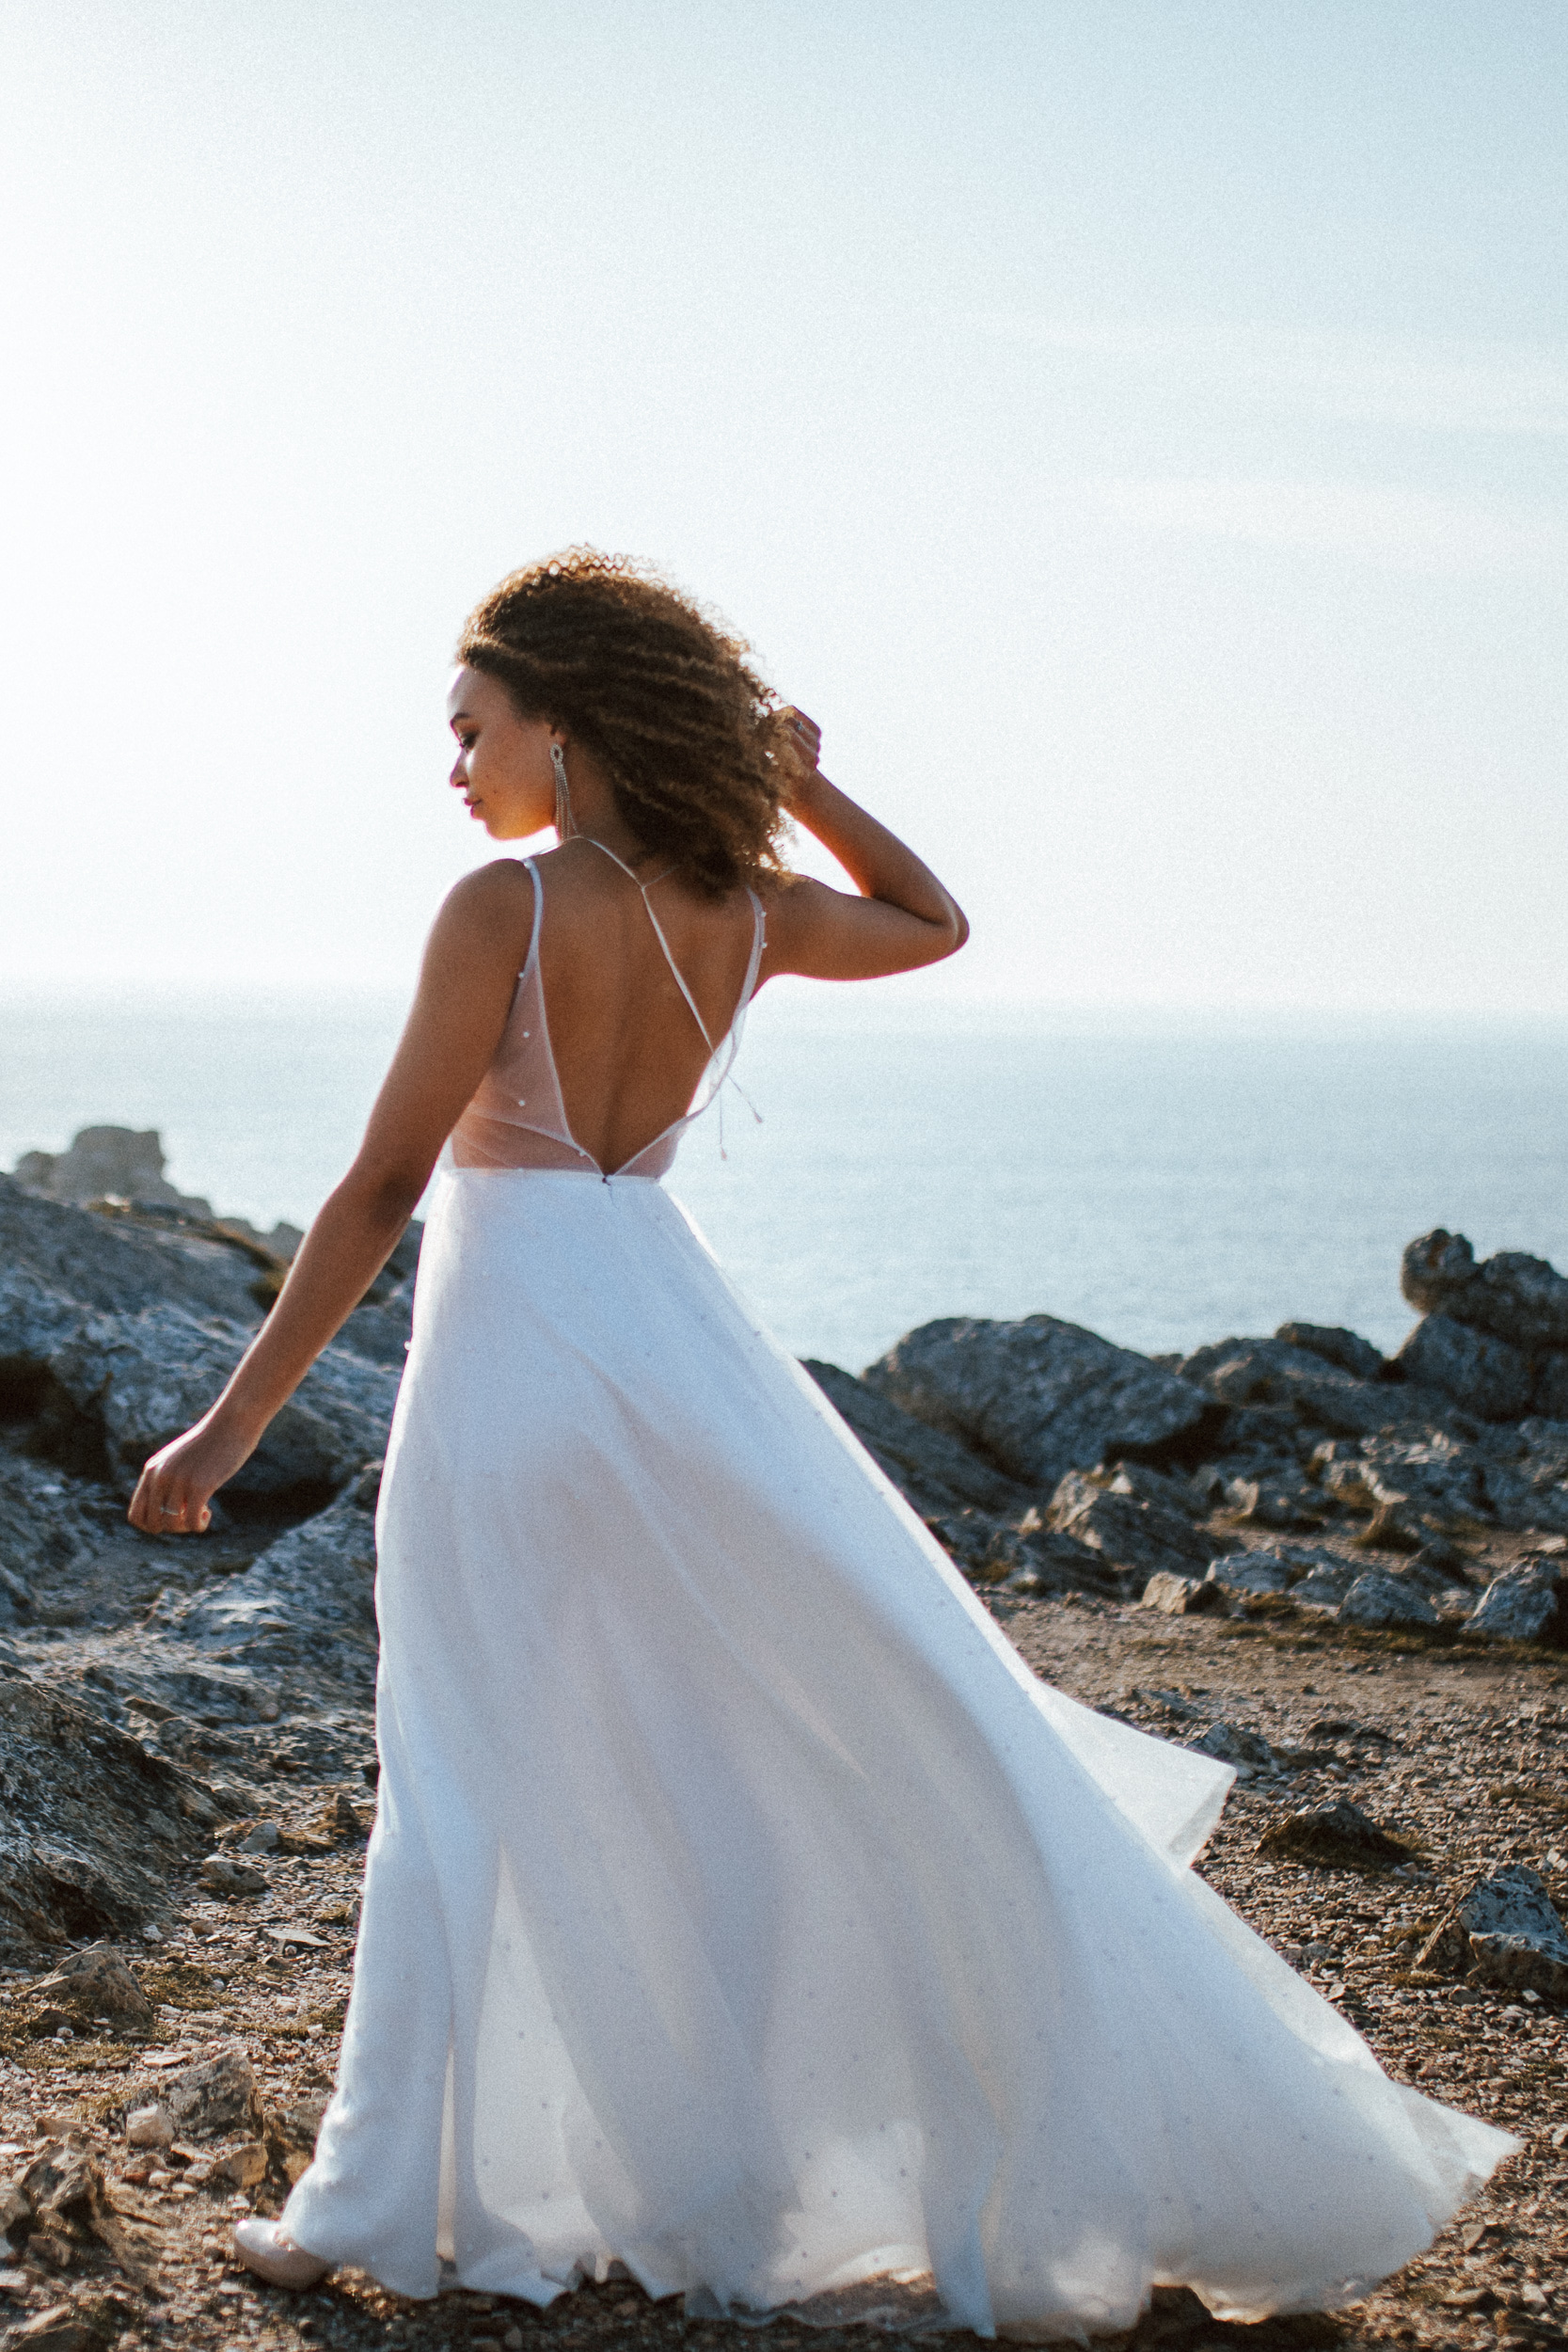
466,986
903,917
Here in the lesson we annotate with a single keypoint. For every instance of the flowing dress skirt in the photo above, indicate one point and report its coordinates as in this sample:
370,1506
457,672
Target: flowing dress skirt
740,1907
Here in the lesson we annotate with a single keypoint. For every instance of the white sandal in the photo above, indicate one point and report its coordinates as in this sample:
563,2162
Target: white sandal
262,2247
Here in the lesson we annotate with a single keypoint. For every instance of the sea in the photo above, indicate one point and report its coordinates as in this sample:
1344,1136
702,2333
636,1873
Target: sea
1165,1181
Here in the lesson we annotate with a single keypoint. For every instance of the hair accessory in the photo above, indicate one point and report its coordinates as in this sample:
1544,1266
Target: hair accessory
565,827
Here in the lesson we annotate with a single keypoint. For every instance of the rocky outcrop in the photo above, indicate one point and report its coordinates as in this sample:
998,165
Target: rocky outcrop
112,1343
121,1163
1515,1297
1494,1334
1505,1931
934,1471
1038,1398
1525,1604
1315,1390
90,1823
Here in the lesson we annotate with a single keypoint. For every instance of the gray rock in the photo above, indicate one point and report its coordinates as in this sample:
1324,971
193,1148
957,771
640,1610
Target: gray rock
1140,1537
1232,1743
1250,1575
1439,1475
1487,1376
1335,1836
1285,1500
1515,1297
227,1877
1039,1397
122,1162
937,1473
92,1824
1504,1931
1525,1604
1336,1346
1319,1394
305,1608
1026,1557
113,1340
219,2094
1181,1595
1549,1395
142,1379
1377,1599
1321,1589
96,1983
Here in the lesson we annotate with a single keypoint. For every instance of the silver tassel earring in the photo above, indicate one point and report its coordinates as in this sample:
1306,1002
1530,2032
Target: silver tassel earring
564,828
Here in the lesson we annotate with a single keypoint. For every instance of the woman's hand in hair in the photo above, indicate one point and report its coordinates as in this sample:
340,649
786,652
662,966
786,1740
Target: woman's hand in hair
898,916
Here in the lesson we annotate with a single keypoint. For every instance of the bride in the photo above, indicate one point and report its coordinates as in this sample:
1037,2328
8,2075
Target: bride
740,1907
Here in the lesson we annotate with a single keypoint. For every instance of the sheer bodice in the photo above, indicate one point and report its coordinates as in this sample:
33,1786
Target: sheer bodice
517,1118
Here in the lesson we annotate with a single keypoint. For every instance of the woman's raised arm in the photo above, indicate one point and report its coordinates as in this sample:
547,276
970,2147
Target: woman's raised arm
903,917
466,986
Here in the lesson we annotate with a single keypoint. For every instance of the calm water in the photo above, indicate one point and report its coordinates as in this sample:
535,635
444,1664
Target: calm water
1163,1188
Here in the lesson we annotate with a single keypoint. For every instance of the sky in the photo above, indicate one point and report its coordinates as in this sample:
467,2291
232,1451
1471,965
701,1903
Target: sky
1134,432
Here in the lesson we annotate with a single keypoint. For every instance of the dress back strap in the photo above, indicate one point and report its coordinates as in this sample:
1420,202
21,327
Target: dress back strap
659,932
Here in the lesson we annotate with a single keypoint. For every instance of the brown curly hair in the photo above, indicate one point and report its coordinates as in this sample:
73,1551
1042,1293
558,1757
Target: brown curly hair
690,740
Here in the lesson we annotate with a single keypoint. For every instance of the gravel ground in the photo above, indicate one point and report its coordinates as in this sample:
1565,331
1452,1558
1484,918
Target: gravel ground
1453,1747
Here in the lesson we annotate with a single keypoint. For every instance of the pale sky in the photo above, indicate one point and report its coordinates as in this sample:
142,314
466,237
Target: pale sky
1136,432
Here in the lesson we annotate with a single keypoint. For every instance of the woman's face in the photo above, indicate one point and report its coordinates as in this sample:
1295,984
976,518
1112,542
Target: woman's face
503,767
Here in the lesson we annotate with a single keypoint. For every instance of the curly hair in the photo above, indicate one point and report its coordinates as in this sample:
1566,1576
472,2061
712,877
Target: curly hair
689,737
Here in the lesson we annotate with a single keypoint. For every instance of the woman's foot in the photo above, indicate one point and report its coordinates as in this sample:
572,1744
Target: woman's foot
262,2247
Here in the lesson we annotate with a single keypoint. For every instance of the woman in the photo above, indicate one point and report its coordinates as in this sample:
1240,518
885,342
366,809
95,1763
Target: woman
738,1907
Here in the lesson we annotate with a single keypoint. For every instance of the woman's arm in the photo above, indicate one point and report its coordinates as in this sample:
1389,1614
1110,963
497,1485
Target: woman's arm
903,917
466,988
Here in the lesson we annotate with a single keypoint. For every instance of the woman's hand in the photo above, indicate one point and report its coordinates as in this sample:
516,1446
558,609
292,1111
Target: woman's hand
804,737
178,1481
901,918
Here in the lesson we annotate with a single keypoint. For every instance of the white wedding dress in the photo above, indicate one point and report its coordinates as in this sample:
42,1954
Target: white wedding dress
740,1907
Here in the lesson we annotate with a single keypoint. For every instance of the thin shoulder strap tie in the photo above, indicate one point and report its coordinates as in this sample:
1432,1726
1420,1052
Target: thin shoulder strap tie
658,934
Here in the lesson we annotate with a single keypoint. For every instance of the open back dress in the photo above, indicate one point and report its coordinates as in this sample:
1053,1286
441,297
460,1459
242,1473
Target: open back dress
740,1907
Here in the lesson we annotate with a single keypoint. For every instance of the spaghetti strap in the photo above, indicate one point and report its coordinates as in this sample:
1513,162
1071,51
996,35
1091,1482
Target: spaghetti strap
658,931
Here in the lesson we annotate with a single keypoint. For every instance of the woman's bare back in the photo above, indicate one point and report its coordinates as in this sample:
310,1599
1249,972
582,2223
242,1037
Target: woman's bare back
630,985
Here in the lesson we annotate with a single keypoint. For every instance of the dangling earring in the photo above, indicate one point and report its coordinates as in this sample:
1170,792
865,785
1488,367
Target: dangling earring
564,828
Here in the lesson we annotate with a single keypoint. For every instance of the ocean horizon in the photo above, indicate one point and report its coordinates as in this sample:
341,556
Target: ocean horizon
1165,1179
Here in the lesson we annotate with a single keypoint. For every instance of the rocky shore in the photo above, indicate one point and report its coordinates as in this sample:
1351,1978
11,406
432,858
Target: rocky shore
1345,1574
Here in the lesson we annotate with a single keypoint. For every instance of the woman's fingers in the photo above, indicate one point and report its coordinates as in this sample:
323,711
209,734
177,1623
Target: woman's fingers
166,1504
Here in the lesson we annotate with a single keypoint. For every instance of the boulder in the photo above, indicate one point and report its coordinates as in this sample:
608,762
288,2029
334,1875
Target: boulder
1379,1600
304,1609
1025,1556
96,1983
112,1341
1528,1603
122,1163
92,1824
1515,1297
1041,1397
1286,1499
934,1471
1335,1836
1181,1595
1504,1931
1438,1475
141,1380
1487,1376
1347,1350
1322,1588
1140,1537
1232,1743
1250,1576
1318,1393
217,2094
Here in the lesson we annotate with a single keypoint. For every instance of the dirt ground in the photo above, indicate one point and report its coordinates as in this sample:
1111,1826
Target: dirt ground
1455,1748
